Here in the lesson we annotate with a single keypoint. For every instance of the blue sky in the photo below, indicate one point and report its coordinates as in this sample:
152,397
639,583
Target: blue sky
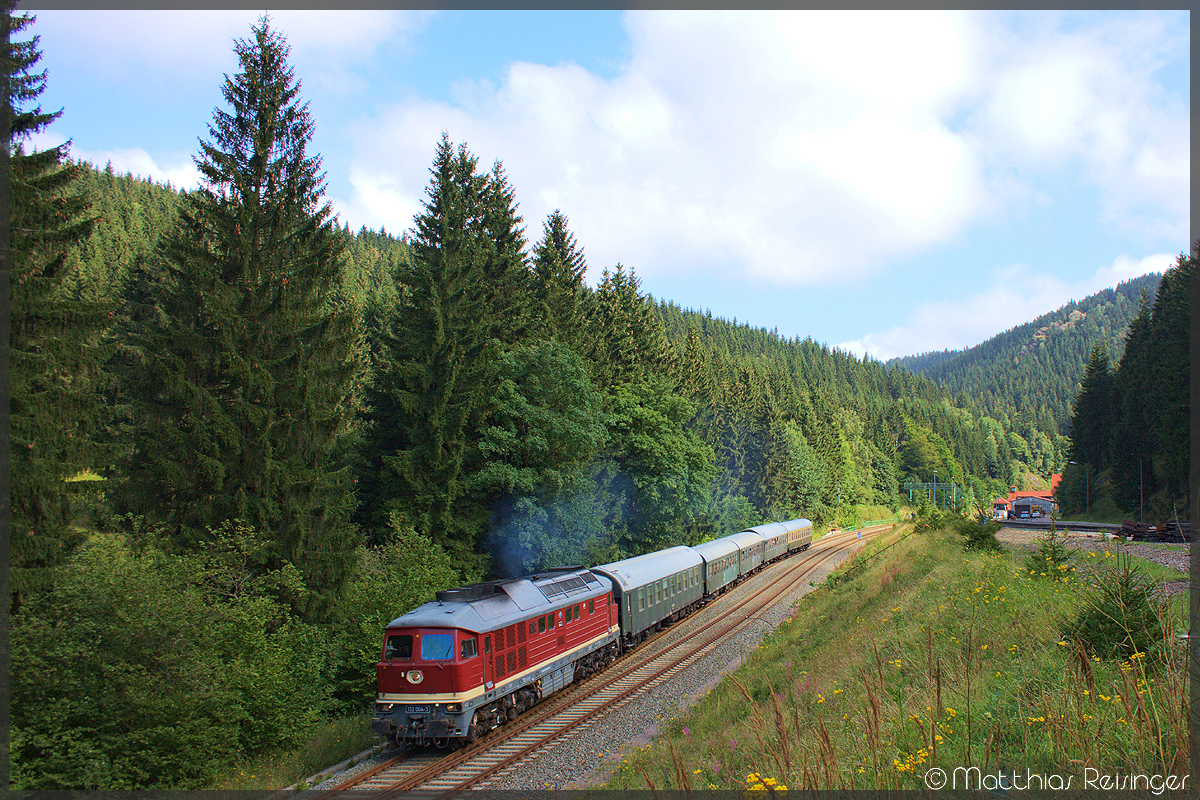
885,182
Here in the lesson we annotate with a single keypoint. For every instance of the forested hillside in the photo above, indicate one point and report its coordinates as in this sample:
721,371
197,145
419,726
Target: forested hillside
1036,368
245,437
1131,423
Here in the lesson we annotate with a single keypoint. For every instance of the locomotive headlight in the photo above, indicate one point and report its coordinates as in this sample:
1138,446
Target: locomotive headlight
383,708
453,708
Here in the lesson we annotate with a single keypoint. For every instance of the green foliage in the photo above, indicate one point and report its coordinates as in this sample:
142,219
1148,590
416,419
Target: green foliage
545,423
1092,421
1131,423
545,426
249,367
1122,616
56,359
625,340
150,670
391,580
923,454
1052,557
558,287
976,535
660,471
430,383
795,476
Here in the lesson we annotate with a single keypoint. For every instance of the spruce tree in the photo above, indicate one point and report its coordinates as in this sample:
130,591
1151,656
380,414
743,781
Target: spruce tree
1131,437
55,361
1169,394
558,270
429,382
1092,421
507,280
250,365
626,339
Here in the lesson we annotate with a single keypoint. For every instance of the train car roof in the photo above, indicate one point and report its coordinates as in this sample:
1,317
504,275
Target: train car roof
486,606
796,524
745,538
710,551
640,570
769,530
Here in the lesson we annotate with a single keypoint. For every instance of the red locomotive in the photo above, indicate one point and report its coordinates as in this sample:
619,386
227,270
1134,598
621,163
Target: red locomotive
479,655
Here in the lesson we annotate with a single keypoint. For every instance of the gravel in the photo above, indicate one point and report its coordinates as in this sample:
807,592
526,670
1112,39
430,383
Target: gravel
1175,556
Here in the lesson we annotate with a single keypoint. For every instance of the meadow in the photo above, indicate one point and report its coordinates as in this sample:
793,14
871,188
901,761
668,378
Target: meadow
935,648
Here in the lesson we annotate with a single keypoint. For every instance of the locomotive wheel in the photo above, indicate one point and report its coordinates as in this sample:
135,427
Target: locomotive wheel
511,712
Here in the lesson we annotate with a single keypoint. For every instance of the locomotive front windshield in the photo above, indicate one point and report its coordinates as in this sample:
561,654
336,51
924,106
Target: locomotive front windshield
437,647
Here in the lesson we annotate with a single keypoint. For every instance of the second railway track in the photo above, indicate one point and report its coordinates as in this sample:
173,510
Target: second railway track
424,774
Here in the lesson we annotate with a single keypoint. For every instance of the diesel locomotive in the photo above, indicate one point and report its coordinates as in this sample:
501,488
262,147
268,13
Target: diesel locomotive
478,656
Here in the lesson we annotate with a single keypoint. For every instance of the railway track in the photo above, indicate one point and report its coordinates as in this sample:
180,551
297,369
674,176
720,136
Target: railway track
421,774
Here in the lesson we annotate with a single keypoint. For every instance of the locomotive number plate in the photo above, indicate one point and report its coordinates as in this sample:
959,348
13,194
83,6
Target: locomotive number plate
417,709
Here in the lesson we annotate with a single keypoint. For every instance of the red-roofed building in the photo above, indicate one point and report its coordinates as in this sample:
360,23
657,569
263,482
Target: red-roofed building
1033,504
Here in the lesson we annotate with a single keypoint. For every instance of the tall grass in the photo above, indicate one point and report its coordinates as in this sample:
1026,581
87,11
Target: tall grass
929,656
327,744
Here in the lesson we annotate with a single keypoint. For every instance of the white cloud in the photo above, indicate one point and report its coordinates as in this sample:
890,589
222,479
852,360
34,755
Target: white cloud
1088,102
803,147
186,46
178,169
1014,297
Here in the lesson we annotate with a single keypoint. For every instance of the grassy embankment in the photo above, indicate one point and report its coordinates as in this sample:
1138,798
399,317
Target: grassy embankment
329,743
917,653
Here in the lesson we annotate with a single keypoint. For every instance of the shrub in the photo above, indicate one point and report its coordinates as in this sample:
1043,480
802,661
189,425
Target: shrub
1052,556
1121,616
143,669
977,536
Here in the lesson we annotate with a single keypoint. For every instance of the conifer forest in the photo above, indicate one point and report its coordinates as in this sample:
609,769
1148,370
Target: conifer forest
244,437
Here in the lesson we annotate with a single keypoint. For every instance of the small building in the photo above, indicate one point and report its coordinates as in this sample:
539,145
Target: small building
1000,509
1034,504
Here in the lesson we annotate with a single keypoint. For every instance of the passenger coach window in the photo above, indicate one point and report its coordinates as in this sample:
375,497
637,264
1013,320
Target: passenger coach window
398,646
437,647
468,649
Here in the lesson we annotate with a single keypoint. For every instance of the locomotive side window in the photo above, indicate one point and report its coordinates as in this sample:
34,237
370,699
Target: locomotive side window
398,646
577,611
487,643
591,606
541,624
437,647
468,649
